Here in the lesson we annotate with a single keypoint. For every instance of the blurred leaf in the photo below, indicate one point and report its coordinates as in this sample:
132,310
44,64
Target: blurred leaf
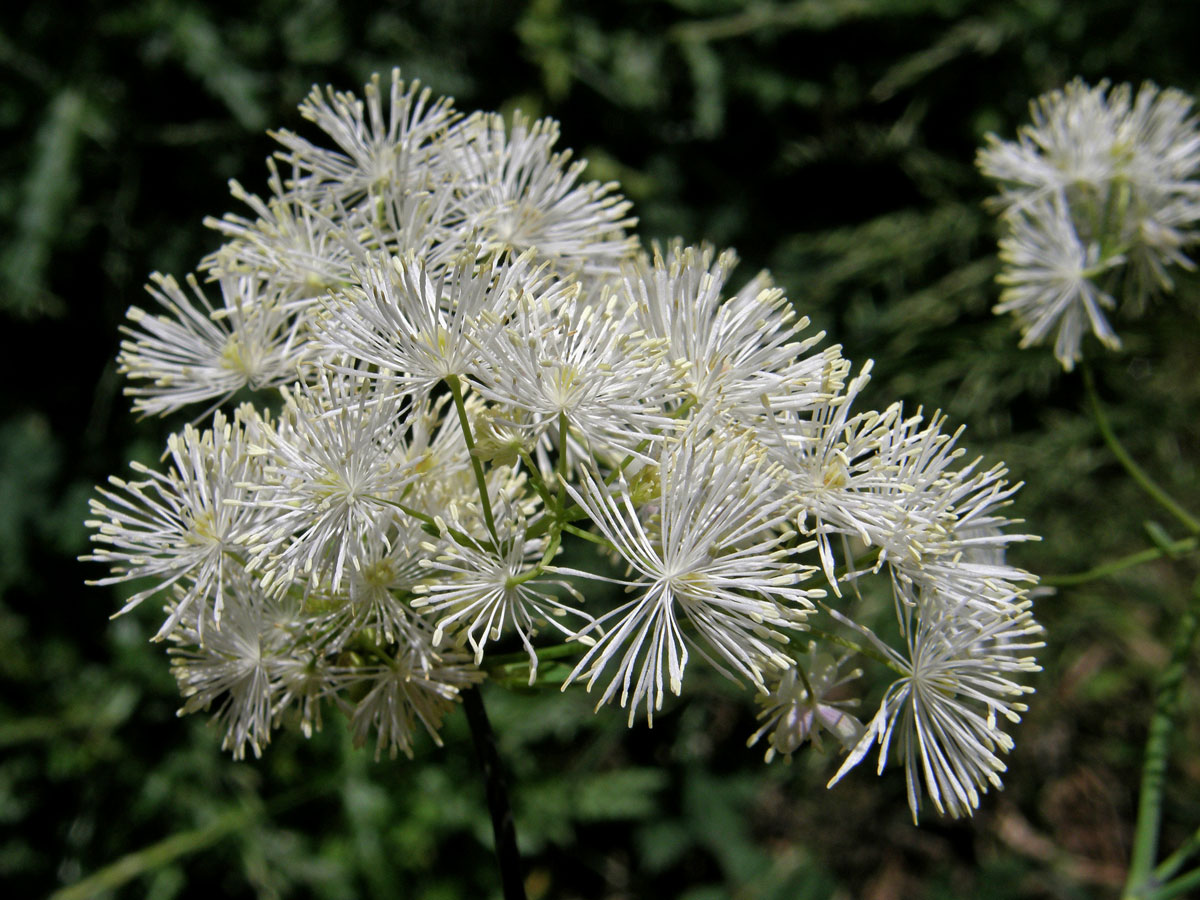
205,53
982,36
29,462
662,844
708,100
717,813
622,794
815,15
48,190
313,32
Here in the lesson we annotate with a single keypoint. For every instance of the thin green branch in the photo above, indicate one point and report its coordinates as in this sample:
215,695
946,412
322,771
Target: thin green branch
431,527
521,658
586,535
147,859
814,14
185,843
485,500
1140,881
862,649
539,483
1180,887
562,459
1174,549
677,414
1173,863
1145,482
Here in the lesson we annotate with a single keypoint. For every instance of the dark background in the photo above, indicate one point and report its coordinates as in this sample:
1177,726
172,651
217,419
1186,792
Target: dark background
832,142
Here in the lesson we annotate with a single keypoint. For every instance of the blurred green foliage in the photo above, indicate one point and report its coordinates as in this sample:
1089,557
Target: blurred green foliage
829,140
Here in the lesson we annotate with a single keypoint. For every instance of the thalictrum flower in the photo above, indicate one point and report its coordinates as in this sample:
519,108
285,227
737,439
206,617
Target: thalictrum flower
516,195
737,354
1052,279
403,691
387,144
329,482
1101,179
418,330
373,600
304,252
946,709
477,593
713,571
200,352
829,460
562,359
478,363
237,663
802,702
184,527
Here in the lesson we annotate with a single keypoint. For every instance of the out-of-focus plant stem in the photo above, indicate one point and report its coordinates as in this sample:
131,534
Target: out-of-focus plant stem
1142,881
1144,481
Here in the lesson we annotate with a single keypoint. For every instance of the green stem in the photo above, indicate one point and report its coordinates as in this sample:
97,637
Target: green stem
1180,887
1145,482
1140,882
456,391
147,859
562,460
586,535
869,652
539,483
431,527
677,414
552,546
572,513
155,856
521,658
755,18
1176,548
1173,863
1116,207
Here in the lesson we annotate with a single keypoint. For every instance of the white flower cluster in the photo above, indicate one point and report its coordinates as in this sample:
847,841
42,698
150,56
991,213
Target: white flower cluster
478,364
1099,197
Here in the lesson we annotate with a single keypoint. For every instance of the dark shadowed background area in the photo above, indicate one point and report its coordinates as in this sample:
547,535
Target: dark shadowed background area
831,141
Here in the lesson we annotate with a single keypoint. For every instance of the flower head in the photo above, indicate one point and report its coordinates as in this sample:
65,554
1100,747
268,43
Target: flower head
415,329
198,353
403,691
182,528
802,703
479,365
563,360
734,355
959,685
1052,280
479,592
237,663
1100,182
516,195
708,553
386,142
329,482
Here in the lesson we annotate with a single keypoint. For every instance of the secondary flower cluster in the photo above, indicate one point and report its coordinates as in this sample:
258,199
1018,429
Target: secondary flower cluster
477,366
1099,197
